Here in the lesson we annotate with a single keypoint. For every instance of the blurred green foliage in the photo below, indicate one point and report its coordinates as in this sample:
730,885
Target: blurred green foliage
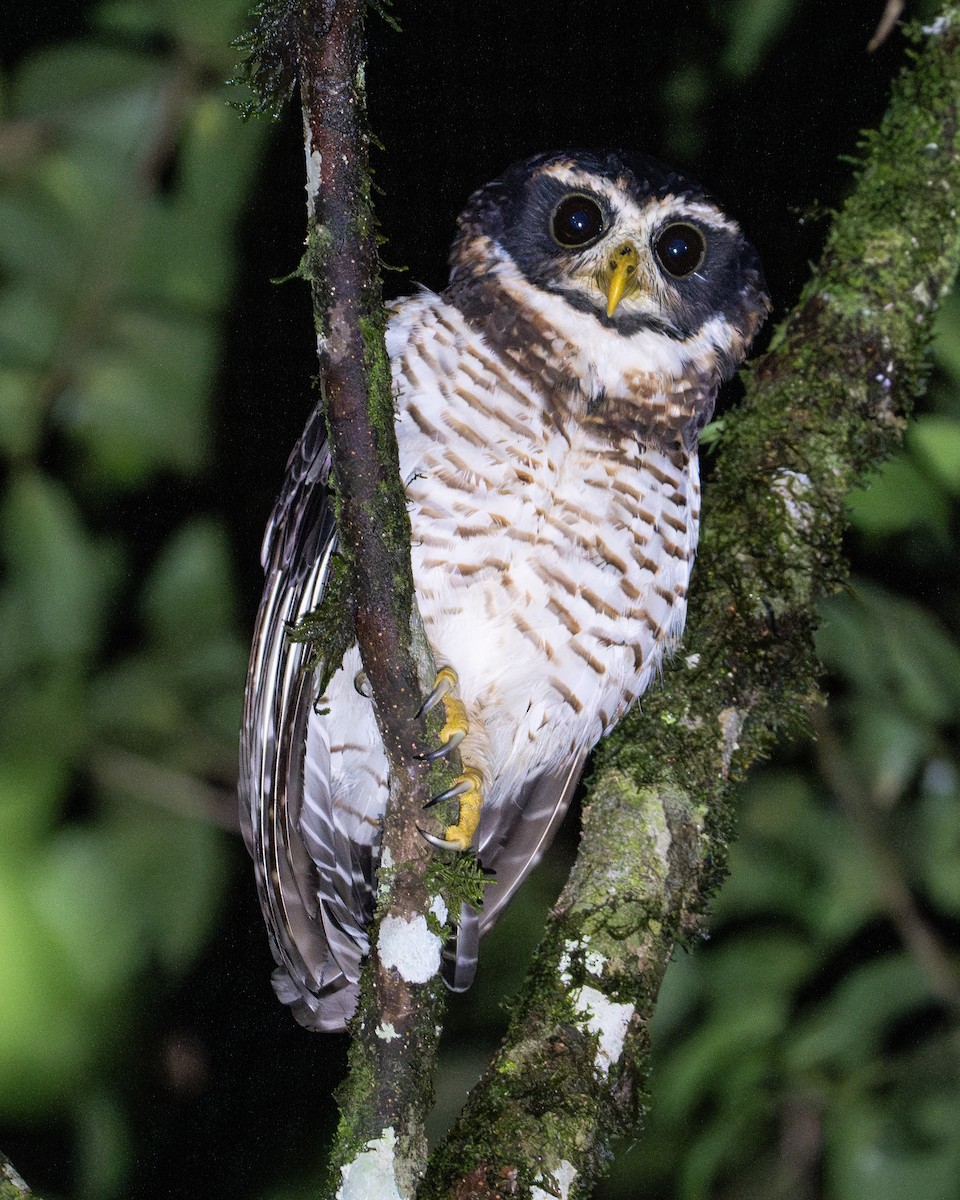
122,173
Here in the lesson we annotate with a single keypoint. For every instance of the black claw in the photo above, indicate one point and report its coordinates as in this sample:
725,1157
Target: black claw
446,748
457,790
439,843
443,687
431,755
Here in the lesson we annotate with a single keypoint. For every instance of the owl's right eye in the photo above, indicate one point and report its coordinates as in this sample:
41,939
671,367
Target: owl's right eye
576,221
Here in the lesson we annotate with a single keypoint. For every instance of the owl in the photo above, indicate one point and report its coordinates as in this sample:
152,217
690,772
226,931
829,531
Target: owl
549,403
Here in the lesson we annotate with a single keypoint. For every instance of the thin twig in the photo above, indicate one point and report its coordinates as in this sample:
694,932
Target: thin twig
888,21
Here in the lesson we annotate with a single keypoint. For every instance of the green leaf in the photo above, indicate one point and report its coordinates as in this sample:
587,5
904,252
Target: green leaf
899,497
797,861
37,243
887,746
30,325
45,1046
189,595
21,413
33,785
880,642
933,840
174,869
849,1028
60,578
132,419
209,28
61,79
82,891
935,443
946,345
867,1160
752,28
215,148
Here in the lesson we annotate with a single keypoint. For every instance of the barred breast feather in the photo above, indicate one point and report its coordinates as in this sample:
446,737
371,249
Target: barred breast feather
551,563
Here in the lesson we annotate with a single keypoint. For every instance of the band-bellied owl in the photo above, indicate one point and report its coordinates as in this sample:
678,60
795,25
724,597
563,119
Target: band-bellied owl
549,403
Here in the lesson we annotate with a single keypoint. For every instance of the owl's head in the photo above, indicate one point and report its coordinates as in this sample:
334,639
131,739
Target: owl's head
612,249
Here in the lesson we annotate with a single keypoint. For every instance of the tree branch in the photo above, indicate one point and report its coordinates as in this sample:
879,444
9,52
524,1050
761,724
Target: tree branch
388,1093
822,408
12,1186
381,1141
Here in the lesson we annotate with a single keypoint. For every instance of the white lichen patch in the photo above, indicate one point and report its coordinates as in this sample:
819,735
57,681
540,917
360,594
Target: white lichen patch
410,947
794,489
370,1176
313,166
439,909
562,1178
594,961
731,722
939,27
572,947
386,1032
605,1018
662,837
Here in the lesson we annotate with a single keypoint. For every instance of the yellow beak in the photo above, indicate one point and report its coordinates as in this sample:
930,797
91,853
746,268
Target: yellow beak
624,278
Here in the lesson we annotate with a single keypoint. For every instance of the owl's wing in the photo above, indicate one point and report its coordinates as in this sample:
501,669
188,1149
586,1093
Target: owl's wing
513,837
309,896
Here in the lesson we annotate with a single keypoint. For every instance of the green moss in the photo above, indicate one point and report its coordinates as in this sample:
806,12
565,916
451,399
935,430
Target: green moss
460,880
381,411
268,66
329,627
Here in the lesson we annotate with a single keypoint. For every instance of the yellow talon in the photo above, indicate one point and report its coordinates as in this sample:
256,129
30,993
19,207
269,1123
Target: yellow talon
468,786
444,683
456,724
471,802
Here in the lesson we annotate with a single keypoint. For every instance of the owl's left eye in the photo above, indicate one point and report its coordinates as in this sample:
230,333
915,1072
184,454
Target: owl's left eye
576,221
680,249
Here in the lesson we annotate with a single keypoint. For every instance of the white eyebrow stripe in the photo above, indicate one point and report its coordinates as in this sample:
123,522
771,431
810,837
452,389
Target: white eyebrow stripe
624,206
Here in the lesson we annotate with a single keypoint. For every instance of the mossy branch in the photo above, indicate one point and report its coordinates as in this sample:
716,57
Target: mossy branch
12,1187
825,405
318,46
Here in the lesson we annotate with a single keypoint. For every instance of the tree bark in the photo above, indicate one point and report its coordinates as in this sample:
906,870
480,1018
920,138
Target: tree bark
319,45
12,1187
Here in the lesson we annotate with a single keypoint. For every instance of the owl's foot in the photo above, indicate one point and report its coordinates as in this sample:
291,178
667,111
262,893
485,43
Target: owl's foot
468,786
445,682
454,728
455,724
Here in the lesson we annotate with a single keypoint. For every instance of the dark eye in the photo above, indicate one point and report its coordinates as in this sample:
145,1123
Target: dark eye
576,221
680,249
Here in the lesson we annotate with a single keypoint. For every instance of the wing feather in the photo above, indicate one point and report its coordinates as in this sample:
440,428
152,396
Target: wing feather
313,884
